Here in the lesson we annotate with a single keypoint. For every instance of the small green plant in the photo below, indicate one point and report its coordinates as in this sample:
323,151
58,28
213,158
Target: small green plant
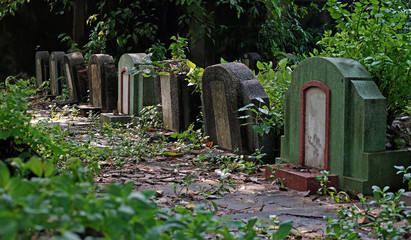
183,185
323,180
274,168
151,117
157,51
383,218
178,47
407,175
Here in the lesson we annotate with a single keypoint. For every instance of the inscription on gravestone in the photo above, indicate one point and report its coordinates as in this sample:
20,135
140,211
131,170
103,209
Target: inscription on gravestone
125,92
221,114
73,93
315,127
42,67
96,86
76,76
169,104
103,82
56,71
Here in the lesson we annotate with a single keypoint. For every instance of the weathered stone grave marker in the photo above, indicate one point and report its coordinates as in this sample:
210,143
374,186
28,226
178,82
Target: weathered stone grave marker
179,100
250,59
56,71
75,71
335,119
42,67
226,88
103,82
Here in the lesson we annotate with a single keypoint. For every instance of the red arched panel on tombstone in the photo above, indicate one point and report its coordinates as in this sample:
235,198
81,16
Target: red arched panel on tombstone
303,92
125,69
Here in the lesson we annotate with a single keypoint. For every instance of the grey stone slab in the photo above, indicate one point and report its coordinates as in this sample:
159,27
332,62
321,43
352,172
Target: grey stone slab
56,71
103,82
226,88
75,71
180,102
42,67
250,59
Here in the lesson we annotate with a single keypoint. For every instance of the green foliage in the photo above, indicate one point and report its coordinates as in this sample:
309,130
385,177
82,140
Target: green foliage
407,175
157,51
178,47
275,82
376,34
10,7
383,218
285,20
15,123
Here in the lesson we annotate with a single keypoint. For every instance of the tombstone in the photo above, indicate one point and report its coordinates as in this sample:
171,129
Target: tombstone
75,71
42,67
250,59
226,88
179,100
56,71
335,119
135,91
102,75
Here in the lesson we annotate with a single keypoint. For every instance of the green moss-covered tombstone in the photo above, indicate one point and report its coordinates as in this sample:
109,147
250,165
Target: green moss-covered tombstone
335,119
135,91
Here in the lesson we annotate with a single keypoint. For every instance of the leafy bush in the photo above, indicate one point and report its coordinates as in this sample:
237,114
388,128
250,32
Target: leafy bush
16,132
376,34
275,82
383,218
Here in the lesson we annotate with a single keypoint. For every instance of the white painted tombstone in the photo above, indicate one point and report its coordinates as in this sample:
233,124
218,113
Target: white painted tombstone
315,122
135,91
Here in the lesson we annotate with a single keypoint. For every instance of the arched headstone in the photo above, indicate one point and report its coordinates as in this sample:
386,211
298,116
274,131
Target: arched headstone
335,119
135,91
103,82
75,71
226,88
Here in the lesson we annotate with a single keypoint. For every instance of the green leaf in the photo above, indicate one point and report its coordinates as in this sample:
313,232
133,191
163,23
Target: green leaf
260,66
4,175
48,169
35,164
283,230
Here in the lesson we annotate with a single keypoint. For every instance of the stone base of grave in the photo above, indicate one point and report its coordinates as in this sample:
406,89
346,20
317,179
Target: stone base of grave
85,110
111,118
62,103
299,178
